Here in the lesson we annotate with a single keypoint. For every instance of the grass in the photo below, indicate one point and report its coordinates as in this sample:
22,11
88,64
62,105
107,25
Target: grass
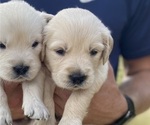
142,119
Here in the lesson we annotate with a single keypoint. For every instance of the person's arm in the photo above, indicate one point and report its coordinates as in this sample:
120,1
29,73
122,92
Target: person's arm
137,85
14,97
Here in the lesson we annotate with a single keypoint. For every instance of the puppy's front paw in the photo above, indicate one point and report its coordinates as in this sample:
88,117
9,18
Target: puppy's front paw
5,116
67,121
35,109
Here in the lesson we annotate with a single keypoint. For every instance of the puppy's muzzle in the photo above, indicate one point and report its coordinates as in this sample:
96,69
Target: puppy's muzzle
77,78
20,70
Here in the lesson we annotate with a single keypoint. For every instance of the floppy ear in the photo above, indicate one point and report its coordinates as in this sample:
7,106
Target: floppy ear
48,17
42,55
108,45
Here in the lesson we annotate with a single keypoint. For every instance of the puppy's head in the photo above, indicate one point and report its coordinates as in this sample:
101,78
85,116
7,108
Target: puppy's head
77,48
21,29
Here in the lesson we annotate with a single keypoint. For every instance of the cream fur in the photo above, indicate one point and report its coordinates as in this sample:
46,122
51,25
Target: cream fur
77,32
20,27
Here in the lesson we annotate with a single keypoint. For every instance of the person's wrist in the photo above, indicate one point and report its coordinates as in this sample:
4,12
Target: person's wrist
121,107
130,113
14,99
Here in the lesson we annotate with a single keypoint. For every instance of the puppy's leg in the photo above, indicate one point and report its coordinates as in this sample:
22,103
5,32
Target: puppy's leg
5,115
48,101
33,98
76,107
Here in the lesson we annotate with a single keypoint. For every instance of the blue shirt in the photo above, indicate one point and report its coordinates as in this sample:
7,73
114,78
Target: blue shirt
128,20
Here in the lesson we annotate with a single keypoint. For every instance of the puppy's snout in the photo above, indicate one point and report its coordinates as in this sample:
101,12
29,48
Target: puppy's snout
77,78
21,69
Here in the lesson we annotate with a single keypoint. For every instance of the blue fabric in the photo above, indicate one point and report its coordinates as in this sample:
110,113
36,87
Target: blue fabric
128,20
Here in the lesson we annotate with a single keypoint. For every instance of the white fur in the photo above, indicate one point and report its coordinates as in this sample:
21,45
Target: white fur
77,32
20,26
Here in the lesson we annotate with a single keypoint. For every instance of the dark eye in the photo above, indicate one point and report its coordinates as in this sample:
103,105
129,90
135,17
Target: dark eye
60,52
2,46
35,44
93,52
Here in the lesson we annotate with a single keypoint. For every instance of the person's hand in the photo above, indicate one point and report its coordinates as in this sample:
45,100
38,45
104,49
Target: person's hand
14,97
107,105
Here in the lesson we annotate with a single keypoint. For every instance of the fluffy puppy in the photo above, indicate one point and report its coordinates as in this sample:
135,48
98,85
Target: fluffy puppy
78,46
21,29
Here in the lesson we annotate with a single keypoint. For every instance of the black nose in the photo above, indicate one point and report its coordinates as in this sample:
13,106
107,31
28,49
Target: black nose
21,69
77,78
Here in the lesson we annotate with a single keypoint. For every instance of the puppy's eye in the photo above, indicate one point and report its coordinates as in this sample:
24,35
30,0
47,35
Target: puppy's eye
2,46
35,44
93,52
60,52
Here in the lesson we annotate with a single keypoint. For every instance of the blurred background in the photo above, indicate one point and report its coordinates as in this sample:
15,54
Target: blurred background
142,119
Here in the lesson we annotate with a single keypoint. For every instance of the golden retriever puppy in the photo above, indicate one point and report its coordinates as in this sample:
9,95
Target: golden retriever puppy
77,46
21,28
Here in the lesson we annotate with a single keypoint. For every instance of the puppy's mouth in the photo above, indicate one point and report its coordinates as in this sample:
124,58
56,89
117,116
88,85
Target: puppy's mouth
16,79
21,78
75,87
70,86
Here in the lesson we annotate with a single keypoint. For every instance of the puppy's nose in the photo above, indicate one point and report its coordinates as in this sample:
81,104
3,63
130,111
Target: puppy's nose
21,69
77,78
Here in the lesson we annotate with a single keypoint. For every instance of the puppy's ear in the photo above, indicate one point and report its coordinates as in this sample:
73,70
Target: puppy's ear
47,16
42,55
43,52
108,44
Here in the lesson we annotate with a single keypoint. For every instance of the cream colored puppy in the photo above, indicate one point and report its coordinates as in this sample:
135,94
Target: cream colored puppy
77,51
21,29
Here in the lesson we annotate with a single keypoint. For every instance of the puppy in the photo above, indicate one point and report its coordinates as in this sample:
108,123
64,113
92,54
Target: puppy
21,28
77,47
